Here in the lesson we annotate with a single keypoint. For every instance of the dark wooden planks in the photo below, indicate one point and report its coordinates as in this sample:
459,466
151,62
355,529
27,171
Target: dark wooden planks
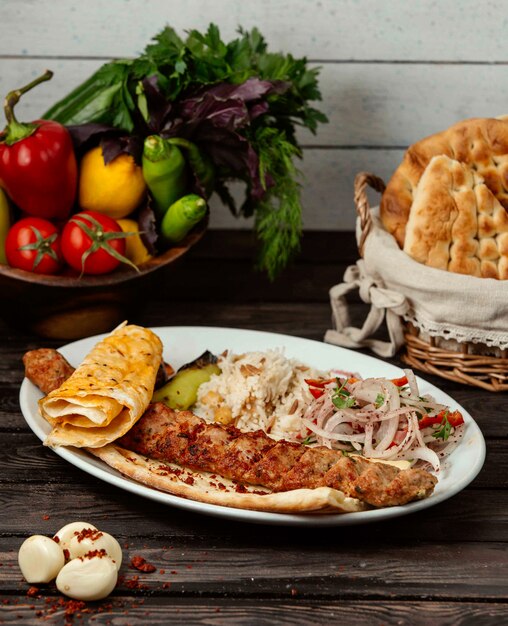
233,277
474,515
289,610
245,568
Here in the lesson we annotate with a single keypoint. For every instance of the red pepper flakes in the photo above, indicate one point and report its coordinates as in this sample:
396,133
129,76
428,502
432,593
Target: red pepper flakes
189,480
88,533
32,592
67,554
294,592
166,585
162,571
74,606
133,583
140,563
45,517
98,553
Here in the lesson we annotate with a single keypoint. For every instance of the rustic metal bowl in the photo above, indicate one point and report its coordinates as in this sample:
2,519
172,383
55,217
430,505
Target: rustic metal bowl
69,307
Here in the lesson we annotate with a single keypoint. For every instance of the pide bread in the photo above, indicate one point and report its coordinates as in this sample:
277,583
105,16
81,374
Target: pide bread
446,203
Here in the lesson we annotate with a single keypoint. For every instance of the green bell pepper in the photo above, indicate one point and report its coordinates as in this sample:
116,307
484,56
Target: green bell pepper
182,216
164,171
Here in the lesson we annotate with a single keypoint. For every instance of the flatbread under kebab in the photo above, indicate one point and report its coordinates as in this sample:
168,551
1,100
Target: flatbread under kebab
178,452
213,489
107,393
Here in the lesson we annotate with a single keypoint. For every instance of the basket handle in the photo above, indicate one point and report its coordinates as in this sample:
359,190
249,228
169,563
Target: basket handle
362,181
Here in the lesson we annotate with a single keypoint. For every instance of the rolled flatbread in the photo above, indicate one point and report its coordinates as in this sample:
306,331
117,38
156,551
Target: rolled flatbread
107,393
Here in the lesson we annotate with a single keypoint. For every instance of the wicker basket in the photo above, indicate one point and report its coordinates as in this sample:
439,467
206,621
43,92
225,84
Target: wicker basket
471,364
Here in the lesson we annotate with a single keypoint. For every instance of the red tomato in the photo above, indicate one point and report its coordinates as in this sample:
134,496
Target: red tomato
33,244
93,243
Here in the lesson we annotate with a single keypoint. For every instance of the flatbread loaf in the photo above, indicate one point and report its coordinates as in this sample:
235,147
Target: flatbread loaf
456,223
212,489
107,393
481,144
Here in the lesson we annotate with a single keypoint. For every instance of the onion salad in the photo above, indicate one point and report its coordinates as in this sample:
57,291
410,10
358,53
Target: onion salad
380,419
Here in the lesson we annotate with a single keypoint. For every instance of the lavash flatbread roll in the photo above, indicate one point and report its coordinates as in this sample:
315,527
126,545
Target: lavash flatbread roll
213,489
107,393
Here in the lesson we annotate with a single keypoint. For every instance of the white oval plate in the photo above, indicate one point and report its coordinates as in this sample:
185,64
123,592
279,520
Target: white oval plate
184,343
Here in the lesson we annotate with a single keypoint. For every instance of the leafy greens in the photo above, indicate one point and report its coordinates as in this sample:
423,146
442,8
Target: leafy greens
238,102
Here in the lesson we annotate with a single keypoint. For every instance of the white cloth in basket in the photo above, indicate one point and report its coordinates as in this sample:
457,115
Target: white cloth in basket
439,303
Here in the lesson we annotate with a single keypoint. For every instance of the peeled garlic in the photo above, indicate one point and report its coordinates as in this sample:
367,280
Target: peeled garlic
67,532
88,578
40,559
80,545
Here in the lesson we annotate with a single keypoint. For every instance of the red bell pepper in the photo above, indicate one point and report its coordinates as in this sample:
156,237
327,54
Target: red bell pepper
454,418
316,393
38,167
400,382
319,382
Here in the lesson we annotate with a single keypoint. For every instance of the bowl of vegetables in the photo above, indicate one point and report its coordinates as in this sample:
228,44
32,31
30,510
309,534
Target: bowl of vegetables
114,181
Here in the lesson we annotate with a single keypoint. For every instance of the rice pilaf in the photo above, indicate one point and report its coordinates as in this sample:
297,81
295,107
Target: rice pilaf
256,390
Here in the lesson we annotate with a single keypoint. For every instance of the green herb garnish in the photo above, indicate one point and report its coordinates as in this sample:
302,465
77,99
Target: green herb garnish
379,400
341,398
445,428
308,440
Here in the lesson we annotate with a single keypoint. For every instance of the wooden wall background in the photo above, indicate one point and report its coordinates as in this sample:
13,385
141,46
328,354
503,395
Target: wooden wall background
392,71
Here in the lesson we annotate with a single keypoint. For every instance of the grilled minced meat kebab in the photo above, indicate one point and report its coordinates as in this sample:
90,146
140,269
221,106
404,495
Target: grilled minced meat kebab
247,457
46,368
255,458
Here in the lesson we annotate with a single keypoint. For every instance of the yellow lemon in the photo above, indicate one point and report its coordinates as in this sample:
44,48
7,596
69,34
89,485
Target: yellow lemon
114,189
135,249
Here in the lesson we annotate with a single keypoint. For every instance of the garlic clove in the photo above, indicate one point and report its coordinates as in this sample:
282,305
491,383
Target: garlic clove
88,578
40,559
67,532
86,542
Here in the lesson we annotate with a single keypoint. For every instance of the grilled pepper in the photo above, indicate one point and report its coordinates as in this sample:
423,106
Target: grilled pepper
37,163
181,216
164,171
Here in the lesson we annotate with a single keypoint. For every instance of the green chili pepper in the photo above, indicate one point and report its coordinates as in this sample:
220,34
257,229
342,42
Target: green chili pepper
164,172
181,216
5,223
200,164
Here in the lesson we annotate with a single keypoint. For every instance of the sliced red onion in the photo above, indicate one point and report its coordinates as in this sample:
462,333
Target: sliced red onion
334,436
386,434
411,380
424,454
373,430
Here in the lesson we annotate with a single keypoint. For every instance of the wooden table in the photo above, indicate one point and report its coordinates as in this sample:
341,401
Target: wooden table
445,565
